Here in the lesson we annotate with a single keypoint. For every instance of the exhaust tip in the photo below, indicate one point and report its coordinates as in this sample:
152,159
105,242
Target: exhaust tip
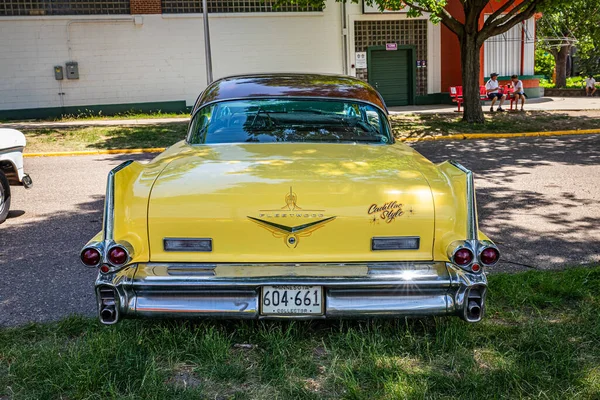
474,310
108,306
474,304
107,315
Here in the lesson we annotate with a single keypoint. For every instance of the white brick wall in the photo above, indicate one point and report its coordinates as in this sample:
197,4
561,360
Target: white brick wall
161,60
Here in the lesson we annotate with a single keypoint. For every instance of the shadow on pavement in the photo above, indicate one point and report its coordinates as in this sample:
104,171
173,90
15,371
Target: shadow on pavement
42,277
539,199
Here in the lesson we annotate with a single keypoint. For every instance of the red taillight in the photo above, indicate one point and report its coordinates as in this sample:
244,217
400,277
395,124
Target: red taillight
105,269
489,256
475,268
90,257
463,256
117,255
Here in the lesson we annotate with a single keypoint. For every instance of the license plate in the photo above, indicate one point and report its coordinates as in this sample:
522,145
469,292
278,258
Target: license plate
292,300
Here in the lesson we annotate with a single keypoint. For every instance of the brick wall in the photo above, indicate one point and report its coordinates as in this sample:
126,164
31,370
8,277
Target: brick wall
146,7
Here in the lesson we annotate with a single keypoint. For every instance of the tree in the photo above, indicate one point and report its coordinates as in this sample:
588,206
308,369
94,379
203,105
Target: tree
575,23
544,62
472,34
469,29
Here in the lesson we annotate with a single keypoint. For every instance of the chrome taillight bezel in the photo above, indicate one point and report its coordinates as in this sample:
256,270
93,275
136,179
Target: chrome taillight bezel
476,247
104,251
465,264
485,244
96,248
122,247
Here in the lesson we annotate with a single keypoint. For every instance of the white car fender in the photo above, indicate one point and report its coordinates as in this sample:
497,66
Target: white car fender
12,144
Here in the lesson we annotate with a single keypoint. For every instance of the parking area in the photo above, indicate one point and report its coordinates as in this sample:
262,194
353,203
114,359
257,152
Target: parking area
538,198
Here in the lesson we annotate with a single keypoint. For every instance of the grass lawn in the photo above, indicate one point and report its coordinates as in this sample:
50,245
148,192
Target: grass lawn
89,115
404,126
127,115
541,339
103,137
420,125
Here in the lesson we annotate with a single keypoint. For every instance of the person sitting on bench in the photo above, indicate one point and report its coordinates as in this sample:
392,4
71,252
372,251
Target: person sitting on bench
590,85
493,92
519,93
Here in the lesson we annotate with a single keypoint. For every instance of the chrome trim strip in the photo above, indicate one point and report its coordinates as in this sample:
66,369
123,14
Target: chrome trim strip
109,204
374,238
153,275
472,224
367,303
279,97
190,250
438,288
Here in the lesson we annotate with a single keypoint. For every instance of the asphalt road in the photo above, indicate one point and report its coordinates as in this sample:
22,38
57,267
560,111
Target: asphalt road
538,198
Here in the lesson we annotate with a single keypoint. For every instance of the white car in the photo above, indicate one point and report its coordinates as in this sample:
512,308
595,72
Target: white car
12,144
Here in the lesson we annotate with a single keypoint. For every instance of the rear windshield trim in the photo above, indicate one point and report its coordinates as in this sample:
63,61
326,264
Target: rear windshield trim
385,112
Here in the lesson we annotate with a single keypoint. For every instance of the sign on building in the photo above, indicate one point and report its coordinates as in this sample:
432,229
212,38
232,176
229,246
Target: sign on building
361,59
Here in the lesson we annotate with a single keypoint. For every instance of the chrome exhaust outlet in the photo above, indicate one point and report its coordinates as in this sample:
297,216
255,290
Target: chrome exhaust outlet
474,310
474,304
107,305
107,315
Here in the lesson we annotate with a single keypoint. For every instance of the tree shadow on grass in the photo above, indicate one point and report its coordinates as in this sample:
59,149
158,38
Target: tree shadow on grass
423,125
105,137
147,136
520,350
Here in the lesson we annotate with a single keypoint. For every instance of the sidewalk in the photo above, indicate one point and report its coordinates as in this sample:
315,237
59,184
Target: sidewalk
540,104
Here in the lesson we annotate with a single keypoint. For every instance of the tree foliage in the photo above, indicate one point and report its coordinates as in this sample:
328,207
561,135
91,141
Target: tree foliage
544,62
467,27
472,34
573,23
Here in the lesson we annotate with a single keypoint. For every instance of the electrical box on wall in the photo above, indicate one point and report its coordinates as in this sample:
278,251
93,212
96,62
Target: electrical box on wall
72,70
58,73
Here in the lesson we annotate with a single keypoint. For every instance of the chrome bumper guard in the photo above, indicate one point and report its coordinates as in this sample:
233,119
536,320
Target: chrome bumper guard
233,290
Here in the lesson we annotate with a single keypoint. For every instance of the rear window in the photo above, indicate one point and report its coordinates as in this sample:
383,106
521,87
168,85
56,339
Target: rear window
289,120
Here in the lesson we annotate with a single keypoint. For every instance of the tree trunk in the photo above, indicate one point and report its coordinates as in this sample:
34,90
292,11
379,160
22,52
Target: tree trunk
561,66
470,63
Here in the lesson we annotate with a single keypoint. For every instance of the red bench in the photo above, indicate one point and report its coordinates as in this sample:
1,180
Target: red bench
456,94
509,91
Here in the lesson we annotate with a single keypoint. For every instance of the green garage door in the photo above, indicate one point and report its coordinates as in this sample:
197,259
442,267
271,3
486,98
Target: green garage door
390,74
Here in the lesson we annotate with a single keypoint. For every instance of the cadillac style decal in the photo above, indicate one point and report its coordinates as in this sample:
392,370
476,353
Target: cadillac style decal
291,234
388,211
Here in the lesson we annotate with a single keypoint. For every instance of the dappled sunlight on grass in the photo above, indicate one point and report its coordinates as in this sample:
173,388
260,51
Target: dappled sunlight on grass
104,137
535,340
421,125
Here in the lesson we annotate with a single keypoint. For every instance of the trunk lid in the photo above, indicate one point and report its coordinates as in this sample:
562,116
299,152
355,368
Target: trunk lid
291,203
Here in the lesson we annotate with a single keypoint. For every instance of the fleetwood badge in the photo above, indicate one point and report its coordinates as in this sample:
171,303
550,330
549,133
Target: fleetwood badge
291,211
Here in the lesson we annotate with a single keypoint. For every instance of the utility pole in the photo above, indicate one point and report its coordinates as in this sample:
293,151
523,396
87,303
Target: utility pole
207,52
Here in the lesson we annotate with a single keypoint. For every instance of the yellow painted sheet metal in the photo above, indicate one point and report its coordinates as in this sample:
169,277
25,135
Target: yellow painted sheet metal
292,202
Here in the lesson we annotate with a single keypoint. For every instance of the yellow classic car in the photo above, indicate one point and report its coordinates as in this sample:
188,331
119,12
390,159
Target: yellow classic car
289,198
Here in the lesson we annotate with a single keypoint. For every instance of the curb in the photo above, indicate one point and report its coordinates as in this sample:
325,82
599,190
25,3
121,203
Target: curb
460,136
472,136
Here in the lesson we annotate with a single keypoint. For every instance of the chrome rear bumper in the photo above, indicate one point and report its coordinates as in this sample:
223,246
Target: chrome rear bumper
233,290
